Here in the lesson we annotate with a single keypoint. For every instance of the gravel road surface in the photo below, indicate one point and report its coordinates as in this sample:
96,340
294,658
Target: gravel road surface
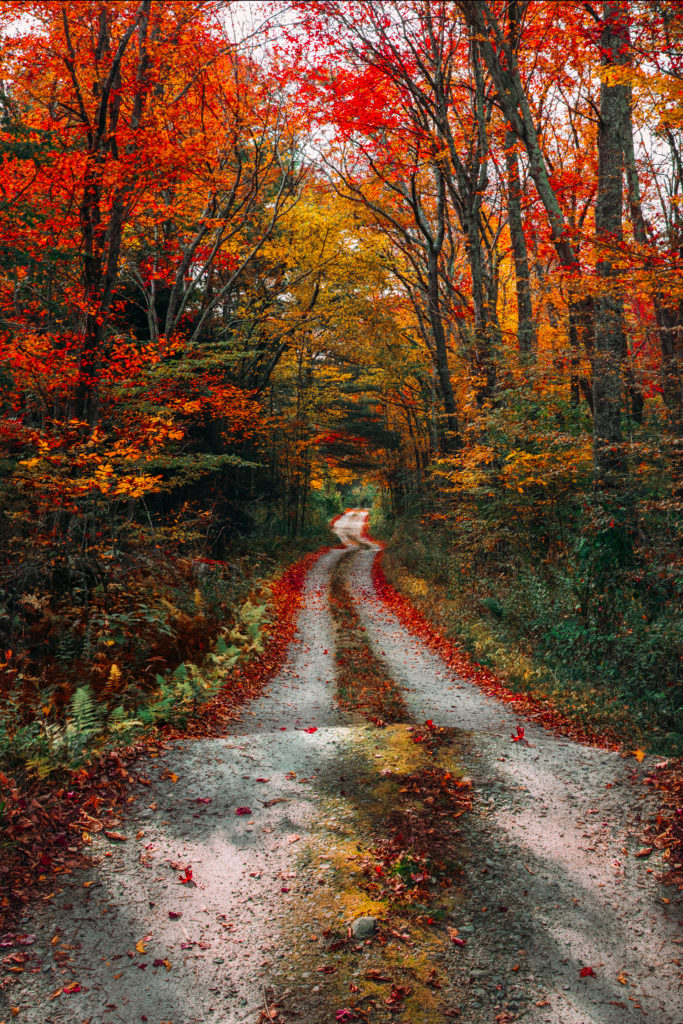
551,881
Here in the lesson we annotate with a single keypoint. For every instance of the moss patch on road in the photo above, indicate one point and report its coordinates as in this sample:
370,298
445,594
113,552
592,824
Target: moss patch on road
387,845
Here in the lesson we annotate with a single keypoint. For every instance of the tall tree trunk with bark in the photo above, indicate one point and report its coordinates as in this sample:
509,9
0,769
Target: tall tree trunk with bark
526,332
609,307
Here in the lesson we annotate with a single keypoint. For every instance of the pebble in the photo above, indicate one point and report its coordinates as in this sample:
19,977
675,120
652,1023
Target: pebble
363,927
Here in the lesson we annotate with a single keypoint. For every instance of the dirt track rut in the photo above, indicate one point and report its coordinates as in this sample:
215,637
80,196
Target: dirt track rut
550,881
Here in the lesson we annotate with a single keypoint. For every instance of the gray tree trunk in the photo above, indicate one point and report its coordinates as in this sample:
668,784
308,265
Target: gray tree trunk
526,332
609,308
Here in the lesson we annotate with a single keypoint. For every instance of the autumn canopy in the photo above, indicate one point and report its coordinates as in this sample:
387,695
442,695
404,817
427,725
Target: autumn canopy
257,263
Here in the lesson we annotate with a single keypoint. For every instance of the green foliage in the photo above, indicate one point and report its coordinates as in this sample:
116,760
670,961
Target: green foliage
568,595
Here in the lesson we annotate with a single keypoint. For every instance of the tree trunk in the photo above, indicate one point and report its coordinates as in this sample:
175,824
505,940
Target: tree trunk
526,333
609,311
451,436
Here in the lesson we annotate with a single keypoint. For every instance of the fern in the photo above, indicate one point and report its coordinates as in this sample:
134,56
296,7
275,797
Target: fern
83,724
83,711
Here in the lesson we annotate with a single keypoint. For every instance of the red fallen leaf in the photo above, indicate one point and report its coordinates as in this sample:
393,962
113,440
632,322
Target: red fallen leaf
204,800
430,724
375,974
174,915
25,940
345,1014
285,889
242,811
327,969
587,972
72,989
263,780
187,877
312,729
398,994
519,737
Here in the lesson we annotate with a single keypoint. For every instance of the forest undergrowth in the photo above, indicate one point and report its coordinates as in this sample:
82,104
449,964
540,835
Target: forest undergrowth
590,620
142,640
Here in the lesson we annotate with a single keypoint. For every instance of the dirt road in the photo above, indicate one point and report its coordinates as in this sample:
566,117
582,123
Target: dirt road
250,885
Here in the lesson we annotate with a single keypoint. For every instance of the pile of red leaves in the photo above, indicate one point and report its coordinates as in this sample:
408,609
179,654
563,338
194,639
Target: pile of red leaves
45,824
667,778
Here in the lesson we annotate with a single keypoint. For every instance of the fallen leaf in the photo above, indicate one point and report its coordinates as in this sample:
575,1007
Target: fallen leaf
645,852
72,989
312,729
140,946
293,839
398,994
455,938
174,915
345,1014
187,877
277,800
375,974
263,780
204,800
242,811
639,755
587,972
116,837
518,736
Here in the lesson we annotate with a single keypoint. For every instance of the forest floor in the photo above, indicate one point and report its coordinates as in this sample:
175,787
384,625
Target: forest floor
314,865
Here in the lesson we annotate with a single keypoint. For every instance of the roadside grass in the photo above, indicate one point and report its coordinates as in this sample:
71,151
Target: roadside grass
537,630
